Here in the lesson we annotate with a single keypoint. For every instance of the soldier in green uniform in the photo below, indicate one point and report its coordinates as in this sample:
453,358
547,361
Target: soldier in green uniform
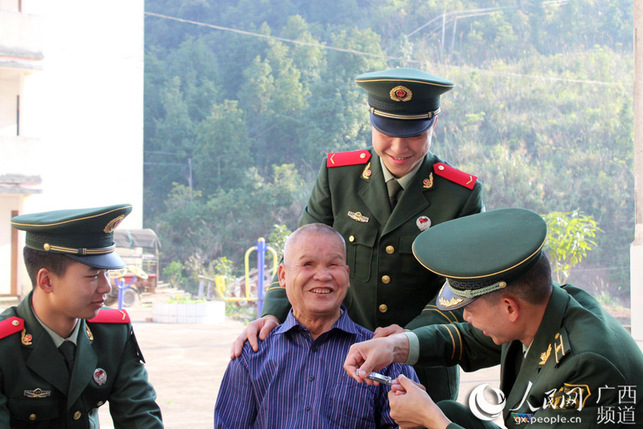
61,355
380,199
565,362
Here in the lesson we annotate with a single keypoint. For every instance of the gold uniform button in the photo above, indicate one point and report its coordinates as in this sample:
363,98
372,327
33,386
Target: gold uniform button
386,279
390,250
46,247
362,155
32,417
15,323
77,415
441,167
351,238
383,308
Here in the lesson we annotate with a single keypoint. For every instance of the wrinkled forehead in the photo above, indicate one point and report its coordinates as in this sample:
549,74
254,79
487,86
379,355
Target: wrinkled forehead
316,245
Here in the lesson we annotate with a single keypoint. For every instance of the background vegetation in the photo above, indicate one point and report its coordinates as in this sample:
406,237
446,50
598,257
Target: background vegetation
244,98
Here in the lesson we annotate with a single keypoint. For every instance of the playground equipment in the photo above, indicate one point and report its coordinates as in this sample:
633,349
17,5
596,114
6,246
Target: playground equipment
220,285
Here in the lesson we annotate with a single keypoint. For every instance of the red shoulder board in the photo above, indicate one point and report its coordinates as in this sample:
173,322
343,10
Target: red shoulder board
341,159
109,315
10,326
456,176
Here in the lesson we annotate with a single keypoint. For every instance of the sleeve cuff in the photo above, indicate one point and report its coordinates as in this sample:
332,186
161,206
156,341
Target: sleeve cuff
414,348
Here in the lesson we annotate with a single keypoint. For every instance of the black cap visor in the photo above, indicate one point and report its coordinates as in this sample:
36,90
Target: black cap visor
447,300
400,127
108,261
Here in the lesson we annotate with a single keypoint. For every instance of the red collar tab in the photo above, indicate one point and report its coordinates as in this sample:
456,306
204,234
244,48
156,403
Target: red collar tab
456,176
109,315
10,326
341,159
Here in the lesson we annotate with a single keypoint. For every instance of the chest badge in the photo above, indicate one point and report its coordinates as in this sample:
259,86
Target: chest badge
37,393
100,376
423,223
357,216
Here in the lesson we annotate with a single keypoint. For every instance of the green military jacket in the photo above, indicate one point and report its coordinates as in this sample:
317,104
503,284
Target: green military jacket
35,388
582,369
387,284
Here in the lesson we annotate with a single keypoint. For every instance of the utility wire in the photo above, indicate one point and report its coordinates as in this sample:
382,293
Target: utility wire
281,39
352,51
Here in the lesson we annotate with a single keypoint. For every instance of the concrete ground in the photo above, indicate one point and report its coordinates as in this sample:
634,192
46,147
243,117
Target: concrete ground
186,363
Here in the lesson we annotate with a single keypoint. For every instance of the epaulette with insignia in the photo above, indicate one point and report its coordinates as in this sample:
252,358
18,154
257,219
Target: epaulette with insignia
456,176
109,315
341,159
10,326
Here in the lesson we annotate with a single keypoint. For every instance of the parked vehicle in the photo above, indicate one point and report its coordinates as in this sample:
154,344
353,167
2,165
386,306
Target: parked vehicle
139,248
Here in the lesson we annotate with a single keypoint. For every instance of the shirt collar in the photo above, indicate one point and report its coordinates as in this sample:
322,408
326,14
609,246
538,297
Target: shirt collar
405,180
344,323
57,339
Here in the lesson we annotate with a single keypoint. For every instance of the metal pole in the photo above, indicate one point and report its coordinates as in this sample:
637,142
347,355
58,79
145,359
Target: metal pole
261,258
120,284
636,249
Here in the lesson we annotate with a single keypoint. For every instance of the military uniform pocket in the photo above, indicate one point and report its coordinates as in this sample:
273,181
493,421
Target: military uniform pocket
33,412
359,253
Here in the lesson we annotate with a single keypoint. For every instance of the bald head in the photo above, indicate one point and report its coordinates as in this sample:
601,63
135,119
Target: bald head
312,228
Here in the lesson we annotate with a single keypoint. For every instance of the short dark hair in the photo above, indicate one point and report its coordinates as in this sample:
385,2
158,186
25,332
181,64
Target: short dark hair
534,286
35,260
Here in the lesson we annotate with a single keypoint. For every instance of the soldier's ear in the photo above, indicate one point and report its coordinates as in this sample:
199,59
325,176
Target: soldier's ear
45,280
511,306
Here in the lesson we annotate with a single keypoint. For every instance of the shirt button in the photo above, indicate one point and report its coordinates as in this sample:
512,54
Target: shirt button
77,415
308,408
390,250
383,308
32,417
351,238
386,279
311,378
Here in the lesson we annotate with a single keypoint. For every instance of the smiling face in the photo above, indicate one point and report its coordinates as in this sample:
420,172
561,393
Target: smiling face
401,154
492,318
79,293
315,275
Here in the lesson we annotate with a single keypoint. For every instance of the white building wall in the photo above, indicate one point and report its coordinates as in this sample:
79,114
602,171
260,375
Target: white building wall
84,110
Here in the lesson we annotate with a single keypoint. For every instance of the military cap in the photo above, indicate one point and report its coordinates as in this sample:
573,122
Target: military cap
403,102
84,235
481,253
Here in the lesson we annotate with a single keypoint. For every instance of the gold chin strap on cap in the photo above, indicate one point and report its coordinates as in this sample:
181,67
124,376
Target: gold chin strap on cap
73,251
428,115
474,293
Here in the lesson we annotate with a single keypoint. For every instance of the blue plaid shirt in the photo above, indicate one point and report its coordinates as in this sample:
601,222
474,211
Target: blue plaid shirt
294,381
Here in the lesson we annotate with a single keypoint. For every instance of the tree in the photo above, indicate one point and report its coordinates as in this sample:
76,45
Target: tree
569,238
222,153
